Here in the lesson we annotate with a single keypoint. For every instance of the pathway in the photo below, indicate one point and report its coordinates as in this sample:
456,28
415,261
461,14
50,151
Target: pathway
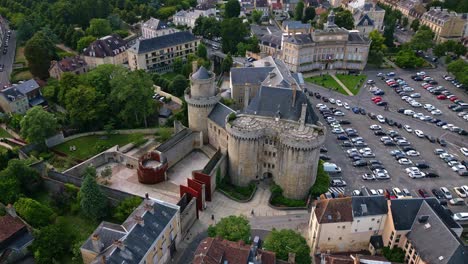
5,145
65,48
342,85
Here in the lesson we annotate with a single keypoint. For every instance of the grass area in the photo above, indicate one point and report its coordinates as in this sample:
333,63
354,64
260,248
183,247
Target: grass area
237,192
169,75
19,56
4,133
352,82
89,146
63,53
281,201
326,81
21,76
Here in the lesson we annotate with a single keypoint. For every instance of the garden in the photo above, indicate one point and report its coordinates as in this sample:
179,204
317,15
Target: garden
352,82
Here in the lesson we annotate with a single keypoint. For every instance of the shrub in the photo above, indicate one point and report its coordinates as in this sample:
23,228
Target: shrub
140,142
34,213
232,117
125,208
322,182
278,199
394,255
232,228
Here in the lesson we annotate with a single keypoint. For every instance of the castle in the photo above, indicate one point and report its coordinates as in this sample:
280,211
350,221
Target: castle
273,133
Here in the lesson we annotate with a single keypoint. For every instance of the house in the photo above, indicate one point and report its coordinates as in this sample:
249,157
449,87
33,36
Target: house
262,5
219,251
149,235
270,44
367,16
20,97
110,49
446,25
154,28
75,65
14,237
188,18
157,54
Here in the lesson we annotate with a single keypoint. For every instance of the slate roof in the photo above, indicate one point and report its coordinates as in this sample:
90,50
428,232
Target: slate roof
201,74
107,46
219,114
271,100
290,24
363,19
404,211
334,210
161,42
155,24
69,64
442,212
271,40
9,226
356,38
11,94
108,233
376,242
255,75
369,205
27,86
300,39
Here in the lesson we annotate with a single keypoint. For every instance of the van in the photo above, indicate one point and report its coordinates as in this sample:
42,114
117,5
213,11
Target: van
331,167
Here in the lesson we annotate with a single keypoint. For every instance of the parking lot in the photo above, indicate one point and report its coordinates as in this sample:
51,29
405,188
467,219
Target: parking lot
361,123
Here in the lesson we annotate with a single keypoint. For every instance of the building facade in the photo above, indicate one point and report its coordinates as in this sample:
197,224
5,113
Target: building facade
157,54
333,48
149,235
445,24
75,65
155,28
275,135
188,18
367,16
18,98
110,49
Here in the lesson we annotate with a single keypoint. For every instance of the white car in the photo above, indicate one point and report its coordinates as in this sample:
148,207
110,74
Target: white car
356,193
365,150
383,139
458,167
436,112
418,115
408,112
428,107
338,113
373,192
398,193
446,192
405,161
339,103
380,191
408,129
323,107
411,169
346,106
416,104
460,216
337,131
416,174
453,163
375,127
319,105
460,192
419,133
415,95
381,119
464,151
445,155
332,101
413,153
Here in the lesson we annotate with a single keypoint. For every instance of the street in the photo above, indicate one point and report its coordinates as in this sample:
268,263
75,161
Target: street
7,60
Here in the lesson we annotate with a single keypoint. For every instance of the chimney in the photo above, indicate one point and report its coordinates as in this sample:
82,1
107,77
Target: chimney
291,258
302,119
246,96
194,67
149,208
96,241
423,219
11,210
139,220
119,244
294,90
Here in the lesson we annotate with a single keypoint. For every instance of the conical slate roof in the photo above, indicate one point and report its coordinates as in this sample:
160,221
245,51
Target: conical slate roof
201,74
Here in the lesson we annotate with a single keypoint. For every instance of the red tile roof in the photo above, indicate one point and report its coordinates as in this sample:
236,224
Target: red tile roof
334,210
9,226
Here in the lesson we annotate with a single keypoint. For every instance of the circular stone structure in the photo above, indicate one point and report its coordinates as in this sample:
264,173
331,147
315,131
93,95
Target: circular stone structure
152,168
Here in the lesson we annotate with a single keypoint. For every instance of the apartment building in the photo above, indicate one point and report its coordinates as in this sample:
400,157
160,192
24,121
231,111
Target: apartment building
157,54
446,25
188,17
367,16
149,235
110,49
19,97
75,65
154,28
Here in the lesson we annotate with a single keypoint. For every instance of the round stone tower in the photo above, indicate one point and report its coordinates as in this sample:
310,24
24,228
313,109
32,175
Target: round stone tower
201,99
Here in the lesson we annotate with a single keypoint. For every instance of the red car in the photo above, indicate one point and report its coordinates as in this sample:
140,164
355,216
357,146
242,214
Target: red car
376,98
423,193
427,86
441,97
377,101
453,98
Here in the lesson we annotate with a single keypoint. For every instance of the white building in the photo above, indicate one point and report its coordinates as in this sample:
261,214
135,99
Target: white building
188,18
155,28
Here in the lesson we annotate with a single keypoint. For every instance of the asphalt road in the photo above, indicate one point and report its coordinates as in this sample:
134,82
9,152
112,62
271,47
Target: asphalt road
7,60
361,123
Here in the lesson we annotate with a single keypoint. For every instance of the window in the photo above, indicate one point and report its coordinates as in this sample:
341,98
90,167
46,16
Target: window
358,221
340,238
329,239
373,219
370,228
378,221
272,166
338,227
344,227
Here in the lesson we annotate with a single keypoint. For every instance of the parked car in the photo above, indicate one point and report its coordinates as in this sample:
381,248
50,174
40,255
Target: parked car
446,193
438,194
423,193
338,183
460,216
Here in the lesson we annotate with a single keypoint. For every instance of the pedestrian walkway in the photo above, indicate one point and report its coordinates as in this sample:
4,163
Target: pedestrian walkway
342,85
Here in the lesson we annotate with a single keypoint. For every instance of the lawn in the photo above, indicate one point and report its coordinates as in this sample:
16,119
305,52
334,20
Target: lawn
326,81
89,146
353,82
4,133
19,56
62,53
21,76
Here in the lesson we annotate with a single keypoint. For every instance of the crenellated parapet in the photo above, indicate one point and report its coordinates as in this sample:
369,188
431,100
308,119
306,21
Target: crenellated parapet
202,102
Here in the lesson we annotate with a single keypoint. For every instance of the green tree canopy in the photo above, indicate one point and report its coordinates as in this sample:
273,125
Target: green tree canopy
344,19
395,254
10,189
407,59
84,42
34,213
227,63
459,68
126,207
208,27
378,40
232,228
92,200
422,40
51,243
233,31
257,16
201,51
99,27
309,14
299,11
85,106
38,124
178,85
284,241
232,9
27,177
415,25
39,51
322,182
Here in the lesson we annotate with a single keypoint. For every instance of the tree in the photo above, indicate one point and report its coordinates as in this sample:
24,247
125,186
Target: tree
37,125
449,46
309,14
201,51
39,51
439,50
233,31
257,16
208,27
422,40
284,241
322,182
388,35
415,25
408,59
92,200
178,85
35,213
299,11
10,189
395,254
232,9
232,228
99,27
404,22
227,63
126,207
27,177
344,19
51,243
85,107
377,41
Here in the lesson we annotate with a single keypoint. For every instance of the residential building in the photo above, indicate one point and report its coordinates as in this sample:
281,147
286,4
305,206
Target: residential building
110,49
75,65
262,5
412,9
270,45
446,25
332,48
155,28
14,237
149,235
188,17
292,27
157,54
20,97
367,16
219,251
347,224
